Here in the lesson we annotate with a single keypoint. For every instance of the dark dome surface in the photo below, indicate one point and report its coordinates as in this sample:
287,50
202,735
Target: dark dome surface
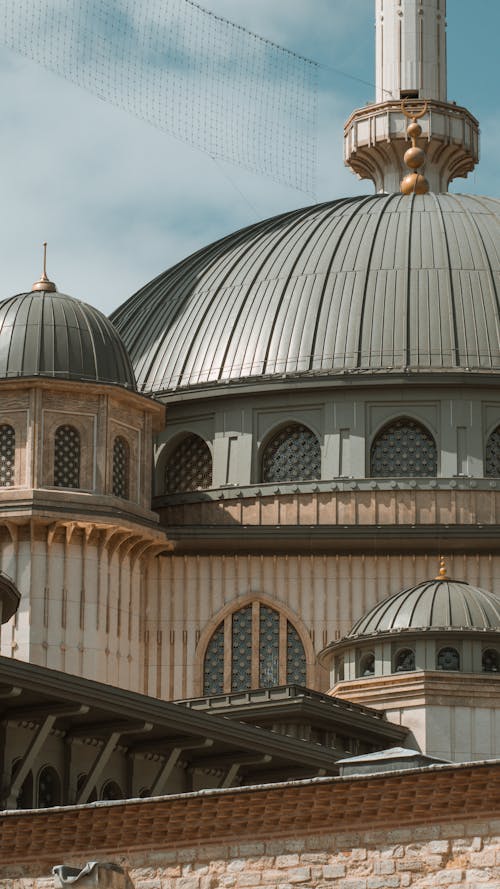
435,603
373,284
53,335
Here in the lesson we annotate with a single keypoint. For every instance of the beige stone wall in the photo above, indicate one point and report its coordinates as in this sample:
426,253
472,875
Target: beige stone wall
323,595
452,856
35,409
82,592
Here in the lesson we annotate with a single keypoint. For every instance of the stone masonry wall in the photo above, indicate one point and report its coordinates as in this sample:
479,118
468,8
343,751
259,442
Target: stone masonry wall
452,856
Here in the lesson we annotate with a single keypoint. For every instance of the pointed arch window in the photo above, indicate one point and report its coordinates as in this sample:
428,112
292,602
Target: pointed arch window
293,454
492,467
254,647
189,467
121,468
67,457
403,448
7,455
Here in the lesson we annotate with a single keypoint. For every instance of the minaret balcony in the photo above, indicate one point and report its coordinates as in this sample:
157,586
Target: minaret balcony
375,141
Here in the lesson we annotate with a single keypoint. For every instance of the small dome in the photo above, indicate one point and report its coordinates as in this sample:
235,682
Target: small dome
48,334
432,604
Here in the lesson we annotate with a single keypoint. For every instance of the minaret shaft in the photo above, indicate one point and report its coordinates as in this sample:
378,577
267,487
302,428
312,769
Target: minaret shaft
411,49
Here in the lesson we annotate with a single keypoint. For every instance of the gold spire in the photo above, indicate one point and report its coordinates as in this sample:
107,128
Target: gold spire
44,283
443,573
414,158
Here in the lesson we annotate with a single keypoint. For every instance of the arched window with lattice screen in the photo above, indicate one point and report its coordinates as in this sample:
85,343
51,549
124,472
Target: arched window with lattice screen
67,457
492,465
7,455
403,448
293,454
255,646
121,468
189,467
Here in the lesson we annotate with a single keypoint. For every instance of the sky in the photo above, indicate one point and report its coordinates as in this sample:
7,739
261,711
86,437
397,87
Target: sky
119,201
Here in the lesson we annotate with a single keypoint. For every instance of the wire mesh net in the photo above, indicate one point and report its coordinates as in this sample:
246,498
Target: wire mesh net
192,74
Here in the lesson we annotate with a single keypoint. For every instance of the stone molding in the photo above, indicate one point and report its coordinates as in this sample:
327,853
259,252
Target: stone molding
422,688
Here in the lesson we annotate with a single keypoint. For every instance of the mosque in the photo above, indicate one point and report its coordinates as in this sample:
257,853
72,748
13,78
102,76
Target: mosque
249,525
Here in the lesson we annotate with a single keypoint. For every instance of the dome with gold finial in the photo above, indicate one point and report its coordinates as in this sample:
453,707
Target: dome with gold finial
430,605
44,333
385,284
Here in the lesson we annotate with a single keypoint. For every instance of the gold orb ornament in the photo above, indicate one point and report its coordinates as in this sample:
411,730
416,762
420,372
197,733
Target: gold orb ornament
414,183
414,158
414,130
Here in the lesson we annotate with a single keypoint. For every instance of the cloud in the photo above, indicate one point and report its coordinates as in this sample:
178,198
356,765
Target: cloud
119,202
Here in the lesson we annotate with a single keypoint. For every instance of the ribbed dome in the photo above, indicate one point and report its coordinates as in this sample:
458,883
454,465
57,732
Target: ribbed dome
435,603
53,335
374,284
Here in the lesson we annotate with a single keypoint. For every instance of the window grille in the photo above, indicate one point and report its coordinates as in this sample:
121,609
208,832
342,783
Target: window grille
241,673
67,457
296,657
491,661
492,469
189,467
121,465
49,788
269,647
293,454
448,659
367,664
404,448
264,650
213,679
404,661
7,456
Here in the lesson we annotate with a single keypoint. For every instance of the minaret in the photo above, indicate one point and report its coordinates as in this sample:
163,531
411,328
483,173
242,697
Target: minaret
411,66
411,50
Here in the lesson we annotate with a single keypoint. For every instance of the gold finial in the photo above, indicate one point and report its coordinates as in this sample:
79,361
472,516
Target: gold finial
44,283
443,574
414,182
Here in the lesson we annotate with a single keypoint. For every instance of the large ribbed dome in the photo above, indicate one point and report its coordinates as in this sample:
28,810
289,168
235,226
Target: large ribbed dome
432,604
375,284
50,334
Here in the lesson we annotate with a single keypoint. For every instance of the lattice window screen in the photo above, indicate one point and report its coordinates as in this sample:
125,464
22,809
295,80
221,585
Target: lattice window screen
294,454
189,467
121,468
67,457
213,675
256,633
405,448
296,667
242,649
7,456
492,469
269,647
